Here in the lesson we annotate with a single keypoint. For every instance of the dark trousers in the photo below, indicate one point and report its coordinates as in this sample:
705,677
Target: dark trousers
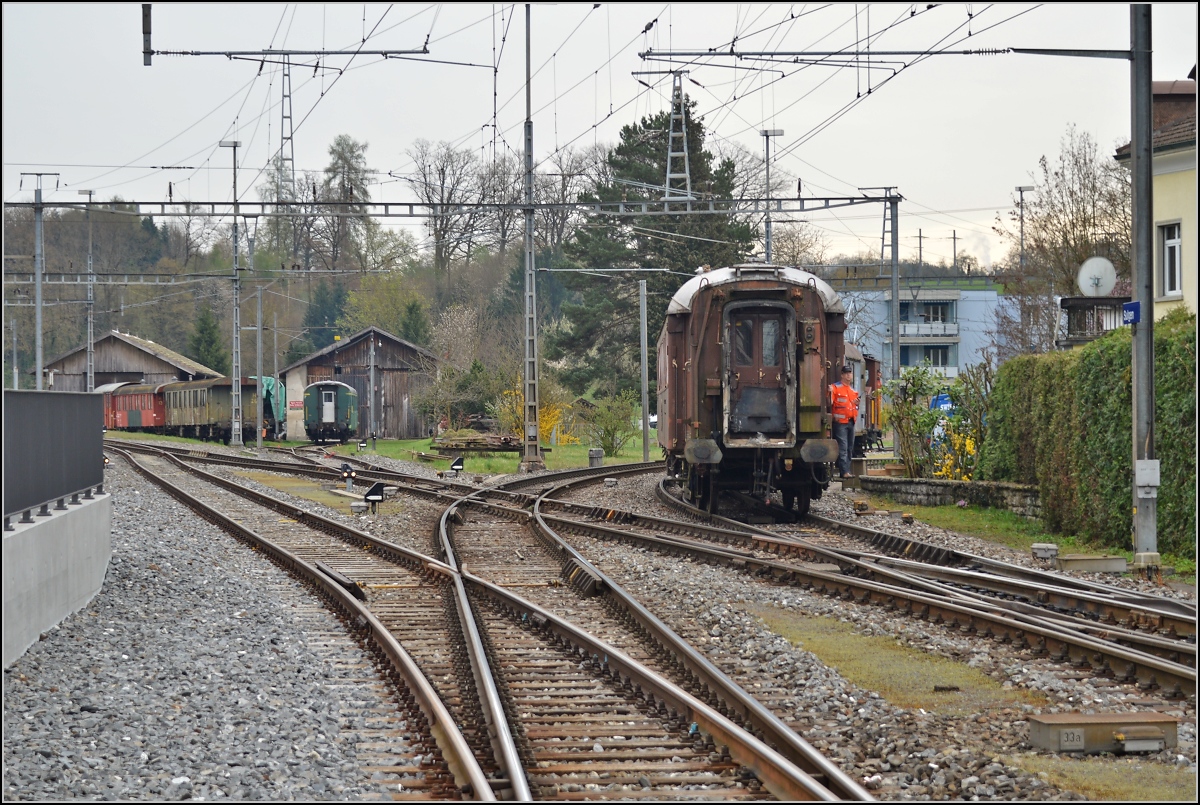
844,433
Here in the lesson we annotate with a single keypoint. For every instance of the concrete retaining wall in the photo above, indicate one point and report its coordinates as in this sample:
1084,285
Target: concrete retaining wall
1017,498
53,567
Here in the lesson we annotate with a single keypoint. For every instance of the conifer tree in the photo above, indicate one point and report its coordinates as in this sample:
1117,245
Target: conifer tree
206,345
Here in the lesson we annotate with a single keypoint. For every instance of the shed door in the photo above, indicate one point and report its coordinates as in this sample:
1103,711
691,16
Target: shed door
757,355
328,406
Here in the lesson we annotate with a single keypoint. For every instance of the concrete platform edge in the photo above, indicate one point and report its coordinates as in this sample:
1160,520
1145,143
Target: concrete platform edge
53,567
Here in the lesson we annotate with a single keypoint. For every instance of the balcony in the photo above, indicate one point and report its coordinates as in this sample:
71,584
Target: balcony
1086,318
929,329
925,330
948,372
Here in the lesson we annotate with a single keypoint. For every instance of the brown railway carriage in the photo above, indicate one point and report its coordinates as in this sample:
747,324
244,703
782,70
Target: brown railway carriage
744,363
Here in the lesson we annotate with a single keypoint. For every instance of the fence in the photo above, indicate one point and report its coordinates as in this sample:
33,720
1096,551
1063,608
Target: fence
53,449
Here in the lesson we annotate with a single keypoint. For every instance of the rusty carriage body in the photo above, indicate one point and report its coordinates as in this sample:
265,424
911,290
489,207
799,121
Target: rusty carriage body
745,359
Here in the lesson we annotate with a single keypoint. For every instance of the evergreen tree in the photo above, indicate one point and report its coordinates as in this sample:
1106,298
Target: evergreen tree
206,345
598,344
327,306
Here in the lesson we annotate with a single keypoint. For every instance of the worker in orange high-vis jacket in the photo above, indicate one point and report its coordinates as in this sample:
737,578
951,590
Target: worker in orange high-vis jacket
843,401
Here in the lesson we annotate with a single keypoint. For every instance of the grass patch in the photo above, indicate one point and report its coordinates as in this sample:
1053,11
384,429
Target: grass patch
301,488
1006,528
1112,779
903,676
560,457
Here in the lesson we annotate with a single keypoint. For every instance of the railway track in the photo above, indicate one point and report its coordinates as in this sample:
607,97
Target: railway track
1164,663
440,760
588,718
1144,627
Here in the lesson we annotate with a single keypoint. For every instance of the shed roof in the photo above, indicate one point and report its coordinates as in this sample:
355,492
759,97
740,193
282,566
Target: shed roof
170,356
361,334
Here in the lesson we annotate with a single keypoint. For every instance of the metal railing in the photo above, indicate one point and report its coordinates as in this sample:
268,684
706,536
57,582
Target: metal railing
927,329
53,451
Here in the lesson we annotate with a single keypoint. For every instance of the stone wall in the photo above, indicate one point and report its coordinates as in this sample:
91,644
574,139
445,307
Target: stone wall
1017,498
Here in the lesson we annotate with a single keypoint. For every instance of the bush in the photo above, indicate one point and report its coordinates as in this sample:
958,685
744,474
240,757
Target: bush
610,425
1063,422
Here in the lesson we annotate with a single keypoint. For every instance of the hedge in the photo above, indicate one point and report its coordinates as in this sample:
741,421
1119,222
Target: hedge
1063,422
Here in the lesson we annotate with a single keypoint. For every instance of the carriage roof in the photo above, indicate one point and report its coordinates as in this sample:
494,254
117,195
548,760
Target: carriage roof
331,383
681,302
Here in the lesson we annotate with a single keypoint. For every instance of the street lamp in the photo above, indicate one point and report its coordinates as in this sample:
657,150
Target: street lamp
767,134
1021,206
235,432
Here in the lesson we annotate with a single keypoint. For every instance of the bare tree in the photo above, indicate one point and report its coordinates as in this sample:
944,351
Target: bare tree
1080,208
444,179
190,234
798,243
563,182
504,183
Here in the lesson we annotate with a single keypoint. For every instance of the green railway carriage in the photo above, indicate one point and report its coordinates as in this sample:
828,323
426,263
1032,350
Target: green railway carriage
330,411
203,409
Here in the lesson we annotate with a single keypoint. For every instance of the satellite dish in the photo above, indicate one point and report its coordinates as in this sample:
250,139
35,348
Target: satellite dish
1096,277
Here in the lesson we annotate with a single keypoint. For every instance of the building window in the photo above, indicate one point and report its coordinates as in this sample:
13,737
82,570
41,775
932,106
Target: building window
937,314
1171,269
938,356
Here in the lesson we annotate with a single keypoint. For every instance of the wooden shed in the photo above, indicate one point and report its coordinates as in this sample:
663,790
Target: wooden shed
401,369
123,358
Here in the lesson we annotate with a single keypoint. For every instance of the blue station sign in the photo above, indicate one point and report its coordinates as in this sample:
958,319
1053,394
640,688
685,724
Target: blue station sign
1131,312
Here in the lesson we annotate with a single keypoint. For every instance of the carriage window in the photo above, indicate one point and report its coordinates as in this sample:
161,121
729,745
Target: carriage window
743,341
770,336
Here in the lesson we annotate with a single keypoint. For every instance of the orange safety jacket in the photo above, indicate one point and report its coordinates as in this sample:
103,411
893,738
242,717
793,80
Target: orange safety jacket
844,400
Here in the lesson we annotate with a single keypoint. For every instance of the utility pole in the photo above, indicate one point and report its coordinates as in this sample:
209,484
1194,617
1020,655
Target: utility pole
767,134
1021,215
235,434
646,370
39,268
91,351
531,458
16,372
371,402
258,375
1146,467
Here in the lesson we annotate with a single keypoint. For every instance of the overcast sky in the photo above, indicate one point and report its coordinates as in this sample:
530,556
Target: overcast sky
953,133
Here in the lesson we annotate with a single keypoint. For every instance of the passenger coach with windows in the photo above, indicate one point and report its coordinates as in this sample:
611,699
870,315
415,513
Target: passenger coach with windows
745,359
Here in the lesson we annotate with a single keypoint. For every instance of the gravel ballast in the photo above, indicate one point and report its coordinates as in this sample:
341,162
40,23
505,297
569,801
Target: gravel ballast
189,675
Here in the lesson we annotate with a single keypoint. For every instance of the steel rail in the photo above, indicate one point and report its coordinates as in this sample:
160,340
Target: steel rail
491,703
936,580
796,772
1176,679
584,574
950,557
455,750
1171,651
1099,607
1166,614
777,773
934,554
